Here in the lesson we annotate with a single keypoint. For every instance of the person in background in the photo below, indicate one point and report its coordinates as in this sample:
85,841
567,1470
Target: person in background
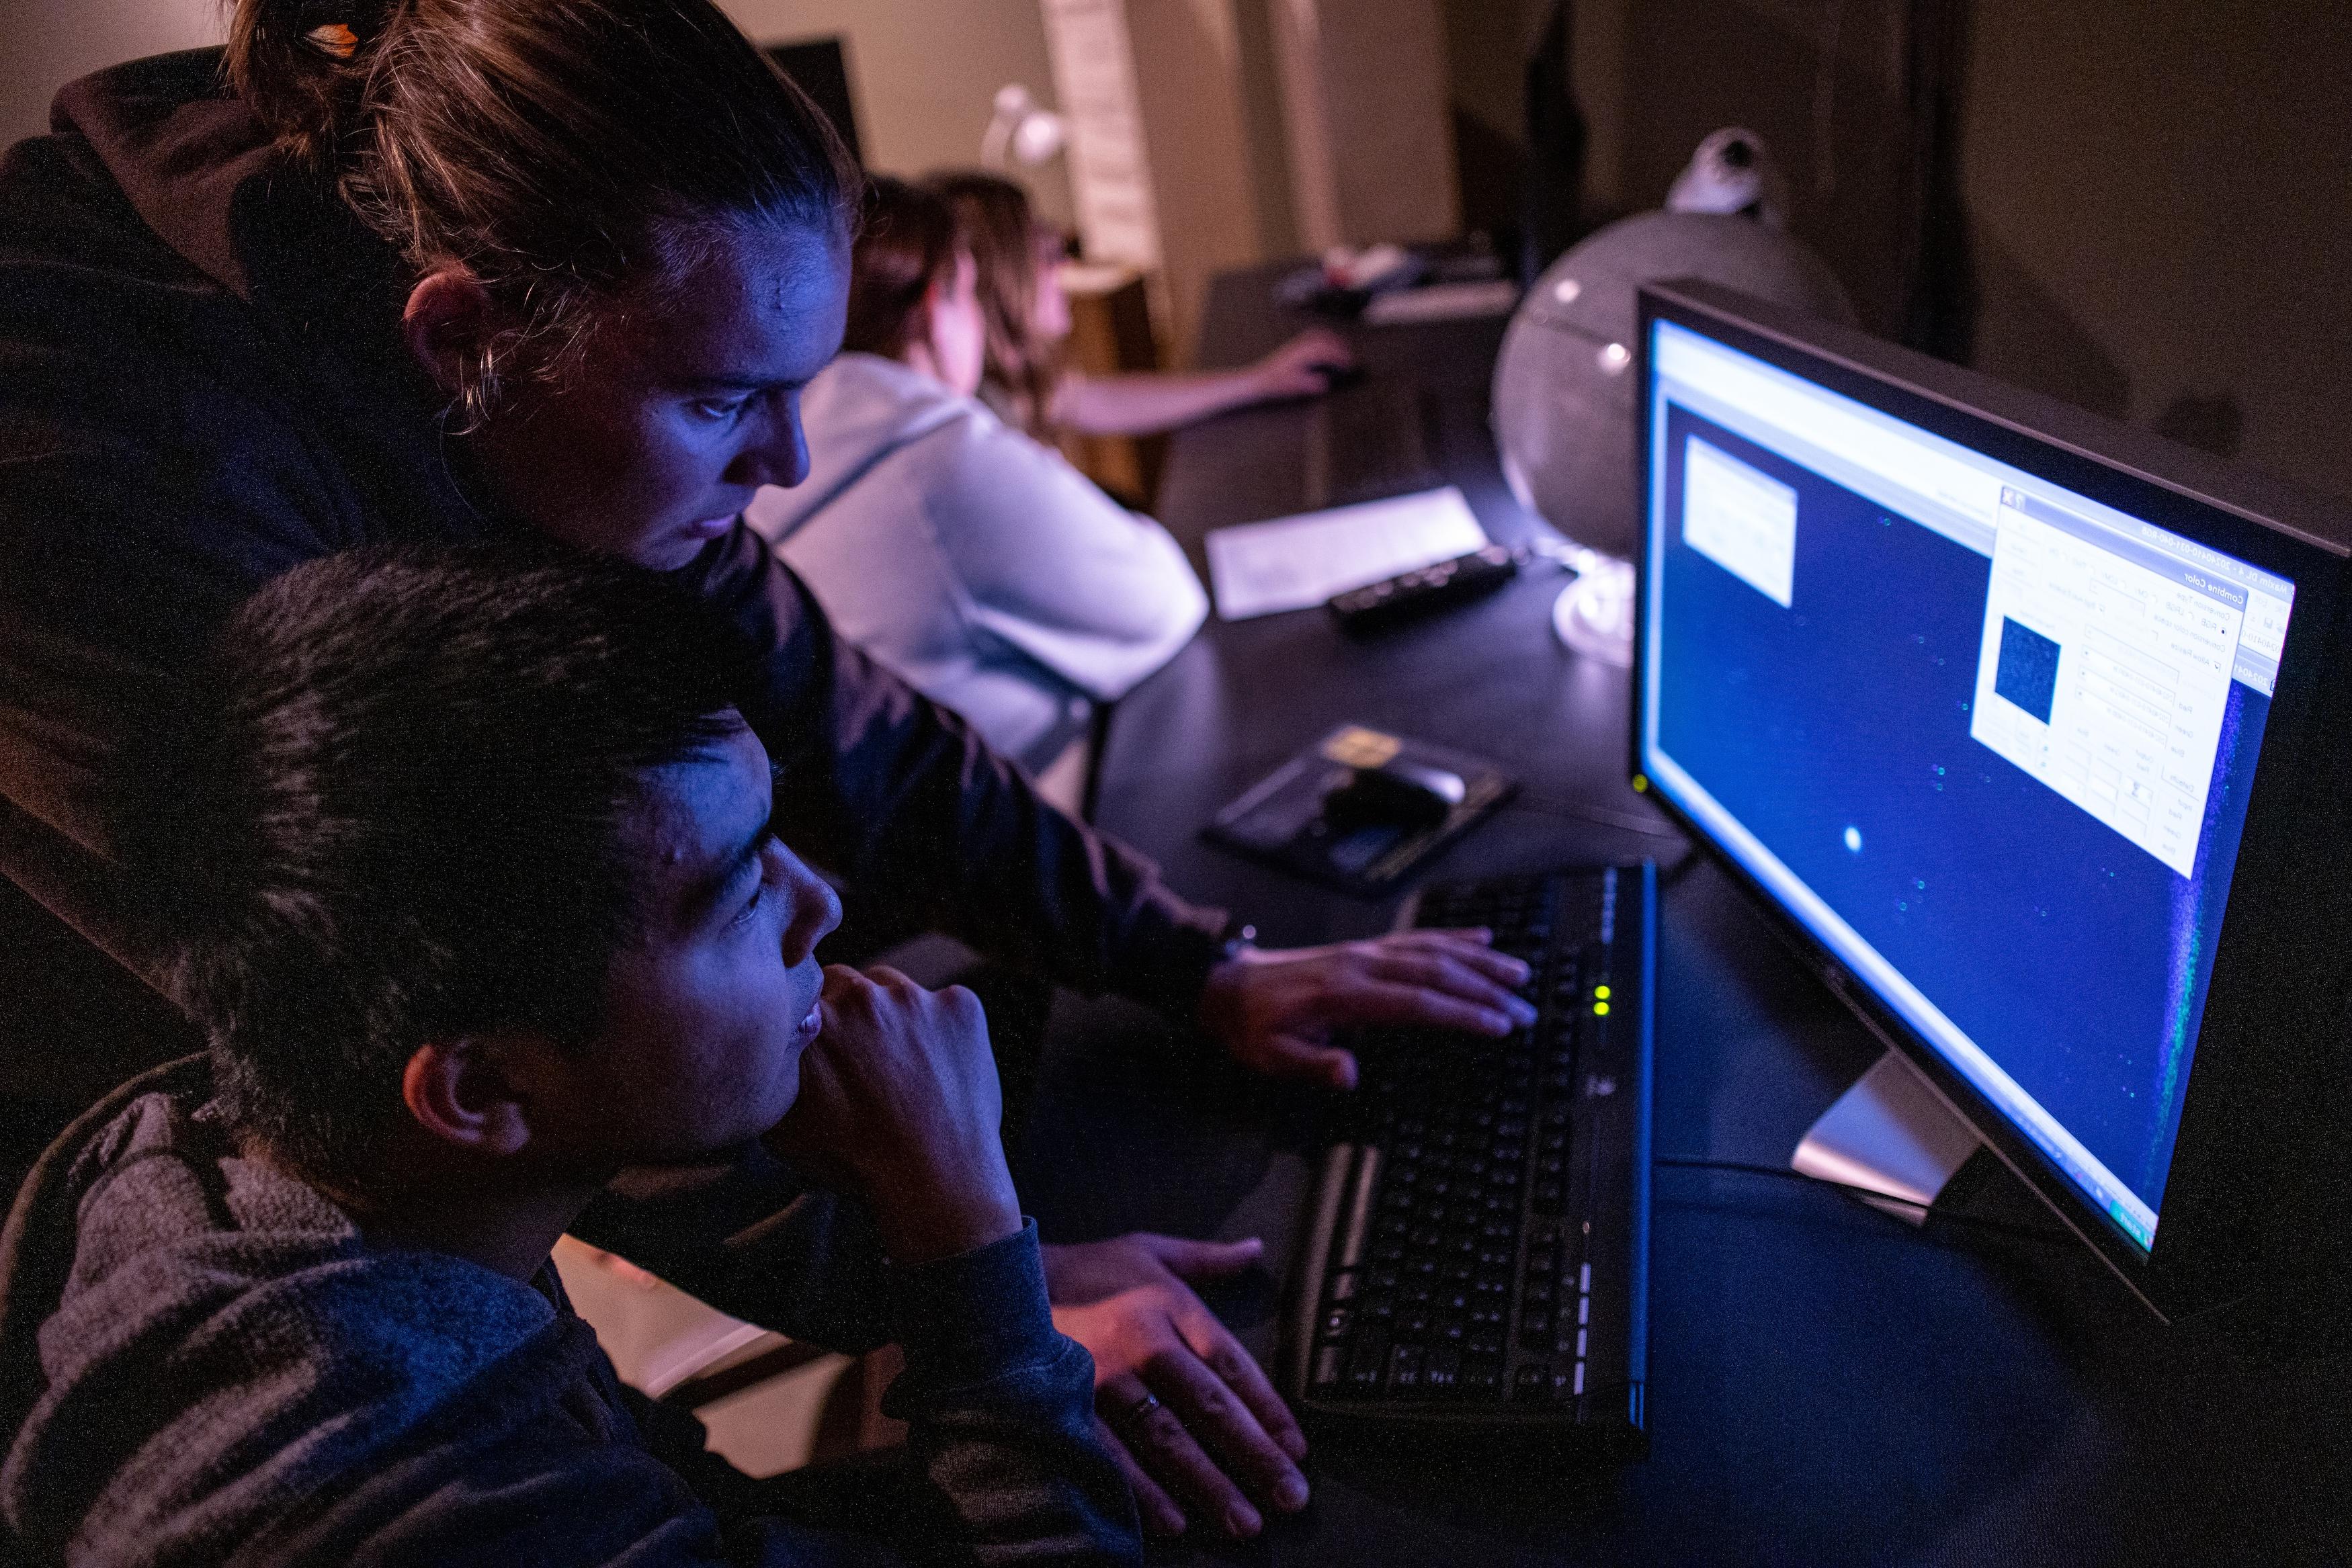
439,1029
1028,317
431,271
954,549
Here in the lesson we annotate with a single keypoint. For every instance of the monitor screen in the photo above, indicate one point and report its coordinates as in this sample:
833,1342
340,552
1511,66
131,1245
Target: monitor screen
1988,740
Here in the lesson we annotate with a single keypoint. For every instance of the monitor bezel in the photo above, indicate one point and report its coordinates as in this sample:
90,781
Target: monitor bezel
2222,1230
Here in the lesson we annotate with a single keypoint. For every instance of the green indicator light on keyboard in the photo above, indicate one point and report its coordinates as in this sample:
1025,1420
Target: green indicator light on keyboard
1600,1009
1641,784
1600,993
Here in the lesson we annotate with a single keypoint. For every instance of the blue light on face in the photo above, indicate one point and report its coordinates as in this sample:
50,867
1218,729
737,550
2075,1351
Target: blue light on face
1853,840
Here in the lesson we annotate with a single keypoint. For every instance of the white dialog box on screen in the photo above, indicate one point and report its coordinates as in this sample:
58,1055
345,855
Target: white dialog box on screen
1743,520
2105,674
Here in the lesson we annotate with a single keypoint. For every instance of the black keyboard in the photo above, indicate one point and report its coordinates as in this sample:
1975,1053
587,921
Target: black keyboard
1478,1248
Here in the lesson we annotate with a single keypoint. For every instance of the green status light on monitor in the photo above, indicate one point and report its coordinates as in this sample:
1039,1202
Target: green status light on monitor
1600,1009
1641,783
1600,993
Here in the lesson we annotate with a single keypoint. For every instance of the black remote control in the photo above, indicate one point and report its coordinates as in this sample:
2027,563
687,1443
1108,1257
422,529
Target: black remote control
1377,606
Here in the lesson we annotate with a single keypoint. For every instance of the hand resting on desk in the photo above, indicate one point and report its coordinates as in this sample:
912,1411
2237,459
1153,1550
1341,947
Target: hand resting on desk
1189,1415
1275,1009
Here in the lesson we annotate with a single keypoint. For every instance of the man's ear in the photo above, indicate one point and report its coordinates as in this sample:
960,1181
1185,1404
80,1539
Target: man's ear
449,322
461,1093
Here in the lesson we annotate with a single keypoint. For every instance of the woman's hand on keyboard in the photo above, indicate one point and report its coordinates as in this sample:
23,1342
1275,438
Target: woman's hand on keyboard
1191,1419
1276,1009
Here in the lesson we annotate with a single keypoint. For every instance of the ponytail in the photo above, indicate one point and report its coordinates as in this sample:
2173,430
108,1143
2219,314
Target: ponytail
996,224
906,244
563,151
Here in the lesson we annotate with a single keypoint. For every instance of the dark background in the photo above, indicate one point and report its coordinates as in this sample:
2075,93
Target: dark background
2135,205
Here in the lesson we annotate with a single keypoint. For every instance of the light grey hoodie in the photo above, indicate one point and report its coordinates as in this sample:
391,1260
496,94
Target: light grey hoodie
970,559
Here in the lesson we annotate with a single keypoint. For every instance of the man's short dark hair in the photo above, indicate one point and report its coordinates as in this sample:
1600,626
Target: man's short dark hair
404,817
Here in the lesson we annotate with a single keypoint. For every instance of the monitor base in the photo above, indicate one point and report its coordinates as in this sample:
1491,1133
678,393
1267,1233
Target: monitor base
1594,615
1892,1134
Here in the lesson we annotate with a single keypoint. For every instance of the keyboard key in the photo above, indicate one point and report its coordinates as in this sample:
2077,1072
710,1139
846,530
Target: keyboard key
1404,1367
1443,1367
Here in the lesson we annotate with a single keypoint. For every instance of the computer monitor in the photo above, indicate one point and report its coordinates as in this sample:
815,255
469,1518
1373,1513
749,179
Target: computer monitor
2019,723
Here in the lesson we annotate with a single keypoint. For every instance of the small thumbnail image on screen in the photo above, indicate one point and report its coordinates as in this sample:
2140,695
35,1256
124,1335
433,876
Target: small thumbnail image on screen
2028,674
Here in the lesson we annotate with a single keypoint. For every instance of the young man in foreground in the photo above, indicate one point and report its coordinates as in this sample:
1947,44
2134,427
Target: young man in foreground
488,911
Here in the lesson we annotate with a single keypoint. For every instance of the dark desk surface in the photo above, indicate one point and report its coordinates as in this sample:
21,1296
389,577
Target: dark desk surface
1827,1384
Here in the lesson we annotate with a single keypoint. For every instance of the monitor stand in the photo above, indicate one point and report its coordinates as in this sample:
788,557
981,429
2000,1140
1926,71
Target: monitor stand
1892,1134
1594,614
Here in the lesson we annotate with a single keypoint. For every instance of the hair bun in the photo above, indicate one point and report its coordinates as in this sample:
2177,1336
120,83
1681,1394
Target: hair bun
335,40
290,60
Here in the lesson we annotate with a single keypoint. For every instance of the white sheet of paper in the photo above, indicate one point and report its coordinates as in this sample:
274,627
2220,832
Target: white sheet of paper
1291,563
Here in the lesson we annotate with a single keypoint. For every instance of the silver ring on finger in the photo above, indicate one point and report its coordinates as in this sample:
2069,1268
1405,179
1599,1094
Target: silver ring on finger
1143,1407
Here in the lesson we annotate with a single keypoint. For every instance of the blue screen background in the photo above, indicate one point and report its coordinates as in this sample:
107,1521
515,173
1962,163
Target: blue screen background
2075,959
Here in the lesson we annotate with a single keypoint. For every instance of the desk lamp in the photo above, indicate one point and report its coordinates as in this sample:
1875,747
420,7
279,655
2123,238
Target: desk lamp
1022,134
1564,384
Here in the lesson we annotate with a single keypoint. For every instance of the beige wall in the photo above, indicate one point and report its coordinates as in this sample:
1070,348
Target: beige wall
924,73
1365,95
44,44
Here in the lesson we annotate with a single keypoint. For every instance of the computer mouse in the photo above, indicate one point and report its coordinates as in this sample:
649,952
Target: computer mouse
1397,794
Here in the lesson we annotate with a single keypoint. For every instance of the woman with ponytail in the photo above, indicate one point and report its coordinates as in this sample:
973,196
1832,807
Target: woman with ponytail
403,272
956,548
1018,260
